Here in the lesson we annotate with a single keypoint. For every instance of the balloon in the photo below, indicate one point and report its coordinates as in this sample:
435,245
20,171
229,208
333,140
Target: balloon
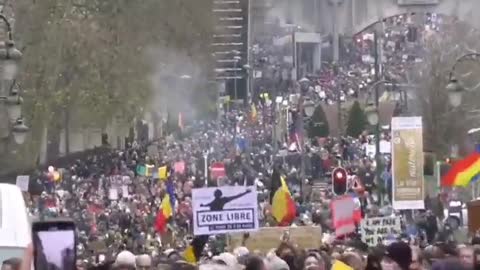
51,169
56,176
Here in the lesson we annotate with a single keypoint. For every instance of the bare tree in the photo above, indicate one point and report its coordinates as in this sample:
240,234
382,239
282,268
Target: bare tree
445,126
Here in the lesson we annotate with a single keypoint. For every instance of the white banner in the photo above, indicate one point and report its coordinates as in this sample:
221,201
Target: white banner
224,210
375,230
22,182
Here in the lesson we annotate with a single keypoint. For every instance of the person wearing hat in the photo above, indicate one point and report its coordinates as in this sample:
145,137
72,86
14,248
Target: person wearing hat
398,256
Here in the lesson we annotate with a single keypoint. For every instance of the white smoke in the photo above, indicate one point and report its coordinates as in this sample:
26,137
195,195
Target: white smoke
175,77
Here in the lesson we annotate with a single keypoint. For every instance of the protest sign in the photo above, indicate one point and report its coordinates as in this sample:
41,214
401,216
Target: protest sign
179,167
343,215
162,173
22,182
306,237
375,230
113,194
217,169
125,191
224,210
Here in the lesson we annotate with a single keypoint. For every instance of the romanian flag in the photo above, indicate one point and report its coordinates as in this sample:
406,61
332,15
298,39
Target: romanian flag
283,206
463,172
166,209
194,251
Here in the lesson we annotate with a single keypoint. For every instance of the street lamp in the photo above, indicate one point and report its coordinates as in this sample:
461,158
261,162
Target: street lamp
14,104
454,88
10,58
455,92
19,131
372,114
373,118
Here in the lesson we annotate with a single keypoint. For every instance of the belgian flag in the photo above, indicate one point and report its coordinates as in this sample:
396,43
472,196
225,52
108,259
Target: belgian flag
283,206
275,183
194,251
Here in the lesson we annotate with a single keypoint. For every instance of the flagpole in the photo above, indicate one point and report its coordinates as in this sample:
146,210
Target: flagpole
205,157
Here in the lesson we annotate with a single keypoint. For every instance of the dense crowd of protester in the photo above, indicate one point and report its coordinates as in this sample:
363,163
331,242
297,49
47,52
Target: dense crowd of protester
121,226
115,205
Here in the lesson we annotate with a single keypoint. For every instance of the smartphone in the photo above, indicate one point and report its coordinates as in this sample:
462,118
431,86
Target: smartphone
54,243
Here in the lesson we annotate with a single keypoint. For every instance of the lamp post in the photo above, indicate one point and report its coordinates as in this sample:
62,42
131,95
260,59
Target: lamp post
250,73
276,117
308,109
454,87
373,118
10,57
236,59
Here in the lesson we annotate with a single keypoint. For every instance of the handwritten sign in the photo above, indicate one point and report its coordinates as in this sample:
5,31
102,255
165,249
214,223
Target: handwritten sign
375,230
306,237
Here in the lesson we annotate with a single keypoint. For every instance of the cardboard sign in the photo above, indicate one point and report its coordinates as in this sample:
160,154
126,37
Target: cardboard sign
224,210
22,182
306,237
375,230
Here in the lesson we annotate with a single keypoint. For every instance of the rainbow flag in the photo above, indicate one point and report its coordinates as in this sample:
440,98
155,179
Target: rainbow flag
463,172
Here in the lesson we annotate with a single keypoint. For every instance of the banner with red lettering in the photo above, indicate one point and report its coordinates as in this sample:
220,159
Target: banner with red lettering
343,215
217,169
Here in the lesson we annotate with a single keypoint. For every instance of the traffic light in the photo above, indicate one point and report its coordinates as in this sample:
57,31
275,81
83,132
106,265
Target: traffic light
339,181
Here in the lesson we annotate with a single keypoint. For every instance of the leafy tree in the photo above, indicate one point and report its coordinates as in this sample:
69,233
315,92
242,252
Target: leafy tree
87,62
318,125
357,120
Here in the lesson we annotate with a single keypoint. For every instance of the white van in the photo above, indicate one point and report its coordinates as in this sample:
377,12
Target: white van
15,232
